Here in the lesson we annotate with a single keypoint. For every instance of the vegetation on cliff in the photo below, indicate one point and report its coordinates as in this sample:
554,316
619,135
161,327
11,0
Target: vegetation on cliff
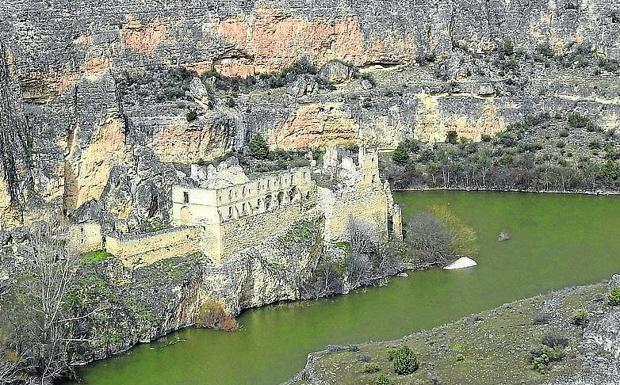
542,153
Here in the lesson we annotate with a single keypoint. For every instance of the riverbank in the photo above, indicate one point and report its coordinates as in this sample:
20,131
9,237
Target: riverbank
499,190
492,347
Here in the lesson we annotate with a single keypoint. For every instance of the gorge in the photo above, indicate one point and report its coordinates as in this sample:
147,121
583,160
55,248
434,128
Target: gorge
166,165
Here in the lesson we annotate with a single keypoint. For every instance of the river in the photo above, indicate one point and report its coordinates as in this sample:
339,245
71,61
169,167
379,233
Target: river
557,241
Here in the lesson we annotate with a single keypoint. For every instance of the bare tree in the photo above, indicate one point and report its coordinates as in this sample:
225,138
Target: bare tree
325,280
40,320
364,239
429,238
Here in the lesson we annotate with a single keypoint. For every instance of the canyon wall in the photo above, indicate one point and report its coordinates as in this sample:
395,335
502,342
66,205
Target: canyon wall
95,96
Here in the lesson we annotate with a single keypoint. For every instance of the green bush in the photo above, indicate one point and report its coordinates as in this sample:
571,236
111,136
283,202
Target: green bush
576,120
541,359
614,297
580,317
191,115
405,361
258,147
452,137
383,380
401,154
555,342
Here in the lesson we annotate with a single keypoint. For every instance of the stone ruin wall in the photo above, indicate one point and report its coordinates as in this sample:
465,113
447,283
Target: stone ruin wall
245,233
256,196
368,205
85,237
146,249
265,193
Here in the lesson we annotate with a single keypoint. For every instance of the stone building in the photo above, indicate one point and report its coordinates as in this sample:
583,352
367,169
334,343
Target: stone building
238,214
220,212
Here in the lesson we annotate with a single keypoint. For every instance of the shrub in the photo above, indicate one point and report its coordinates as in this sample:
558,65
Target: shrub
580,317
258,147
614,297
542,358
555,342
213,315
452,137
405,361
383,380
541,319
94,257
563,133
401,154
576,120
372,368
191,115
546,50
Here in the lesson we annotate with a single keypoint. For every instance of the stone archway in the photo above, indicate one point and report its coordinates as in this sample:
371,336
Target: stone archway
294,194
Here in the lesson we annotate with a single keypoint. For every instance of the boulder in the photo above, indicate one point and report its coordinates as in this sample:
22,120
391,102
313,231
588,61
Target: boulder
303,85
461,263
197,89
367,84
504,235
486,89
614,282
336,72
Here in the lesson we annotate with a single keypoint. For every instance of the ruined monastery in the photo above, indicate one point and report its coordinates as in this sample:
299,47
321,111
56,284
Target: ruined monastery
220,211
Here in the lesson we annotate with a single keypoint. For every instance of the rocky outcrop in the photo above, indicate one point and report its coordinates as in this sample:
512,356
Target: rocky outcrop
14,145
97,82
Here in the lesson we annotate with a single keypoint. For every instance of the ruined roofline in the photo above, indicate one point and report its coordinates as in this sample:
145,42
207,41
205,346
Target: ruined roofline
252,179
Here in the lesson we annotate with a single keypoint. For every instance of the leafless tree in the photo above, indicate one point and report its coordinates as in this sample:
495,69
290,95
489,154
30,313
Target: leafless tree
40,320
325,280
364,239
429,238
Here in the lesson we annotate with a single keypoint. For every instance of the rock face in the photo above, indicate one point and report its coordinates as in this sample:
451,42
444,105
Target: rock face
14,157
86,86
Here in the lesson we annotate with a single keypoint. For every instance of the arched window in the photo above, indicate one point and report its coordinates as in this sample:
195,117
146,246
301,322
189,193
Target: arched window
280,198
294,194
267,202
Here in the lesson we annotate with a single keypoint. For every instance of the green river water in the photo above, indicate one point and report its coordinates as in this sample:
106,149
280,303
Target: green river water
557,241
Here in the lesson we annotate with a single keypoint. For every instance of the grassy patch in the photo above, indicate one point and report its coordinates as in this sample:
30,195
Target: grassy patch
95,256
498,346
303,230
344,246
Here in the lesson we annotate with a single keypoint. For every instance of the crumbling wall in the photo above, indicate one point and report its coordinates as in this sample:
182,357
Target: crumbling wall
146,249
248,232
85,237
368,205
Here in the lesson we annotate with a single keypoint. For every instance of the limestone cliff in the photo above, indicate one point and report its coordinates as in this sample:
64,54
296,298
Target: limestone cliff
100,82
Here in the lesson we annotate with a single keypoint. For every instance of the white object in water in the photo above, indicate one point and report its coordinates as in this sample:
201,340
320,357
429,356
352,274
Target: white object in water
461,263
